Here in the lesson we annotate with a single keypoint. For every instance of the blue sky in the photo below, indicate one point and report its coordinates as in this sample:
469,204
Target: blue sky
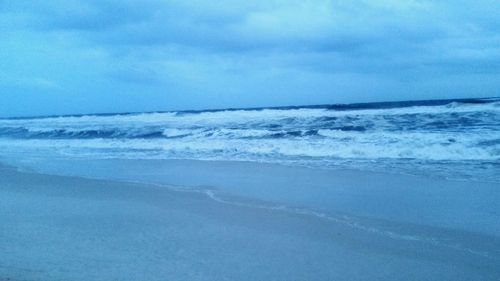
70,56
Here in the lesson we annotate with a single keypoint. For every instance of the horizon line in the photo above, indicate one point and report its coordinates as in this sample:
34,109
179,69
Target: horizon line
354,104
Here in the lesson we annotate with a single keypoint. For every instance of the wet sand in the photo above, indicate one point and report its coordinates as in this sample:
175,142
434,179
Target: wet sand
71,228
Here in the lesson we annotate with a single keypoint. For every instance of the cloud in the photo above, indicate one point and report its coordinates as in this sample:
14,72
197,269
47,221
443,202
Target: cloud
227,50
135,74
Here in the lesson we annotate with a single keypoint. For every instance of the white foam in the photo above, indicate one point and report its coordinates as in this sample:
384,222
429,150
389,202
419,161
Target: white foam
419,133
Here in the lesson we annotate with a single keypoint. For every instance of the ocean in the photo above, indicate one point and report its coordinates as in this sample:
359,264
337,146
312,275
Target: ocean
454,139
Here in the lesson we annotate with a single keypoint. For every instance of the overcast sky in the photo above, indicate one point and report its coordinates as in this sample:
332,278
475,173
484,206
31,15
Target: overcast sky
71,56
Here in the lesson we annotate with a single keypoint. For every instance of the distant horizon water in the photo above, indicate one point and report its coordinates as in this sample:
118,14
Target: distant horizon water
338,106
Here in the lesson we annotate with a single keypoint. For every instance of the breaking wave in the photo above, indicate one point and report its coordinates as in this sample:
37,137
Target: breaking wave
423,132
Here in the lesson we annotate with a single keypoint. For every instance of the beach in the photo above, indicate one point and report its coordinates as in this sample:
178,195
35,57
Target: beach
75,228
378,191
249,140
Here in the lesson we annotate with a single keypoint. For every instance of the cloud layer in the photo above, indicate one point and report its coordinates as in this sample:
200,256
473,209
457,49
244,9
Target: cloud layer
94,56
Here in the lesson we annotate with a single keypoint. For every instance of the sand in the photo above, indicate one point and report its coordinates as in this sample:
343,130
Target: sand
72,228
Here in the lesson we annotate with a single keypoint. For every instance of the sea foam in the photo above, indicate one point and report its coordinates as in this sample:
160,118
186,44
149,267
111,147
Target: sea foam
424,135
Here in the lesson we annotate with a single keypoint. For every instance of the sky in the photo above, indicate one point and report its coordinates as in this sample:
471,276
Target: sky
72,56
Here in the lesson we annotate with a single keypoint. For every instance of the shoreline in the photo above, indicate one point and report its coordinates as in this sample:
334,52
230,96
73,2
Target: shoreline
50,219
469,206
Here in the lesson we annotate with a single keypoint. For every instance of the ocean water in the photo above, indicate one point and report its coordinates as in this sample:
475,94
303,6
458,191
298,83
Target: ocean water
456,139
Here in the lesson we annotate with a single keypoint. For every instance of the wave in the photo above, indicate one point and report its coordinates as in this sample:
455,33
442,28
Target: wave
450,131
321,144
273,123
